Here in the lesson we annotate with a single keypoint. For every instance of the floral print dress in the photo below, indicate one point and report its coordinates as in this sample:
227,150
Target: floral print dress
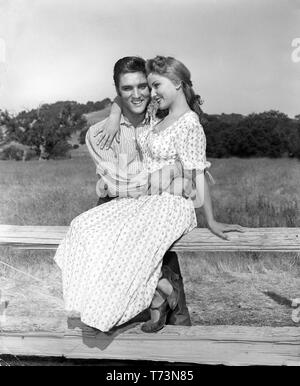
111,256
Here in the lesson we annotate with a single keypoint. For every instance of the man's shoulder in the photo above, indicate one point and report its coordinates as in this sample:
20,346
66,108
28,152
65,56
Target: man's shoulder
91,132
93,128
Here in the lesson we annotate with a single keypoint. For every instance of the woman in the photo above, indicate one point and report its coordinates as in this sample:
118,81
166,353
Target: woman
111,256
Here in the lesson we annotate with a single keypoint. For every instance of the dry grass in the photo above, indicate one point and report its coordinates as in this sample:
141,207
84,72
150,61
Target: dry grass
221,288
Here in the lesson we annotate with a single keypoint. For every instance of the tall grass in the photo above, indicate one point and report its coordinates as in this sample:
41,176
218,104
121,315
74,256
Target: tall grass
256,192
221,288
253,192
46,193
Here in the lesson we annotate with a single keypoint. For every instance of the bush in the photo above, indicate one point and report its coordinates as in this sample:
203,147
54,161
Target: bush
82,135
61,150
12,152
17,153
30,154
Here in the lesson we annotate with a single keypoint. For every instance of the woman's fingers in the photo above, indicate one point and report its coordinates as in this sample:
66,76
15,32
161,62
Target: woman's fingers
104,140
234,228
98,131
221,235
100,138
239,228
109,141
219,229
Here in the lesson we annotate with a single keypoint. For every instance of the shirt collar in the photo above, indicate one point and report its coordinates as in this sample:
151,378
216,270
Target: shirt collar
125,122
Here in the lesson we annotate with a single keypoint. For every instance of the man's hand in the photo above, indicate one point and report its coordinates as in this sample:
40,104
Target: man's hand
106,134
219,229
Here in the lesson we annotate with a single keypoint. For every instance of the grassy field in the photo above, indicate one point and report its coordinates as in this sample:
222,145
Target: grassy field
221,288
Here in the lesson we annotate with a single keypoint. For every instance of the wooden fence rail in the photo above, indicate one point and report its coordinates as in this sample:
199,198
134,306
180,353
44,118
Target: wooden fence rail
200,239
230,345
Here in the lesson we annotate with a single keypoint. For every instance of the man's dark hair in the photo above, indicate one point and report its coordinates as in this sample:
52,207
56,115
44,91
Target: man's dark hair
128,64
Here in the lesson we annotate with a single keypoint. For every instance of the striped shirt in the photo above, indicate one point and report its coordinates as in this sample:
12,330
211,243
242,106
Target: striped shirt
121,158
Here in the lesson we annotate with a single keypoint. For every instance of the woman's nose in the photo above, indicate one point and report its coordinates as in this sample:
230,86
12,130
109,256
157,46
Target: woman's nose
153,93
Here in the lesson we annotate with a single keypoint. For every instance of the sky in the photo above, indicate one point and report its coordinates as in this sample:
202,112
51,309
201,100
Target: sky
239,52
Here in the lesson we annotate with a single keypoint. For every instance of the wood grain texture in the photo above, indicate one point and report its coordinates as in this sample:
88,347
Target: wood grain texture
200,239
228,345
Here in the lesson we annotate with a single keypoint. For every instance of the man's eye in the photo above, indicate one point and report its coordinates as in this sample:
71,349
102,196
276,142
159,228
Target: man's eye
143,86
126,88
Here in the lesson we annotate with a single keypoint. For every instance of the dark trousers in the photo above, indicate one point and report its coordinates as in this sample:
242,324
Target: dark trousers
180,316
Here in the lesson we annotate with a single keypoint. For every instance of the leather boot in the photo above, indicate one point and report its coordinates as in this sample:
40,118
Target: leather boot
180,315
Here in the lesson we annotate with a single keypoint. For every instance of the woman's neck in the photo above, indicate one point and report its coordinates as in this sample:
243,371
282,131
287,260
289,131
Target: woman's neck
179,107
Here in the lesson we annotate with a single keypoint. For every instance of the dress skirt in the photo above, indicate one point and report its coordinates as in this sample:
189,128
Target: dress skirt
111,256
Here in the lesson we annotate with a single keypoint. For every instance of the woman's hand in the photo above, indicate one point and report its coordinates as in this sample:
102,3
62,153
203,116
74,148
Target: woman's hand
219,229
106,134
111,129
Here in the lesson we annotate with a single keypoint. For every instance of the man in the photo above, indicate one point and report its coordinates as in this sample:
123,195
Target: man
132,87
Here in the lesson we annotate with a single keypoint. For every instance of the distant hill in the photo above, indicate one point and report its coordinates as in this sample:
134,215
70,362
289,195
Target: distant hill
97,116
62,121
91,118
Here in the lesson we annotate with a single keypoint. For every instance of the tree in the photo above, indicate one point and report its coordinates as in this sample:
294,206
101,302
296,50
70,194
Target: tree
47,128
261,135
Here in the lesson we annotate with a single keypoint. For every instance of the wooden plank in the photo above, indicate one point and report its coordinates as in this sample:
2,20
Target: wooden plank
200,239
228,345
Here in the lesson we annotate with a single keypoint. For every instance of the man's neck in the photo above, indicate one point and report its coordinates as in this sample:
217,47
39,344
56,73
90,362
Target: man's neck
134,119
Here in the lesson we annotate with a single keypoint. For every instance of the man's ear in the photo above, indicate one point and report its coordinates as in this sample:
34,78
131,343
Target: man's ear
117,91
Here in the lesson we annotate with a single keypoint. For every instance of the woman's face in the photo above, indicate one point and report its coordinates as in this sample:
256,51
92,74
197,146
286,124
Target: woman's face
163,90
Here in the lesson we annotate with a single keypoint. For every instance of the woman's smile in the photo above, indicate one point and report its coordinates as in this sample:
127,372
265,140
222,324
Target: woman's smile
163,90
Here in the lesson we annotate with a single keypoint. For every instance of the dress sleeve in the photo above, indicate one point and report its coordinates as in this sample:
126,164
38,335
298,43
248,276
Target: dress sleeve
191,144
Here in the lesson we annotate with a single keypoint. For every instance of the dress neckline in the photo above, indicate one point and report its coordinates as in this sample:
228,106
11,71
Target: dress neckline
172,124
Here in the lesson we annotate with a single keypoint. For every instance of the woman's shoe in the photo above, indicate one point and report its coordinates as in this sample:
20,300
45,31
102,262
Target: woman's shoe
173,279
163,310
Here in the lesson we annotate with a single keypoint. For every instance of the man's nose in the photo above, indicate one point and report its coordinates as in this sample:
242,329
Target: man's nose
136,92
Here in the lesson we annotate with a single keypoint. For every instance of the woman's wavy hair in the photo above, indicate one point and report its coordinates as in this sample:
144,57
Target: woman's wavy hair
177,72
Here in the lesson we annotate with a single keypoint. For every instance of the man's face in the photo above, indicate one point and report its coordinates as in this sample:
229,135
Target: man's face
134,91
